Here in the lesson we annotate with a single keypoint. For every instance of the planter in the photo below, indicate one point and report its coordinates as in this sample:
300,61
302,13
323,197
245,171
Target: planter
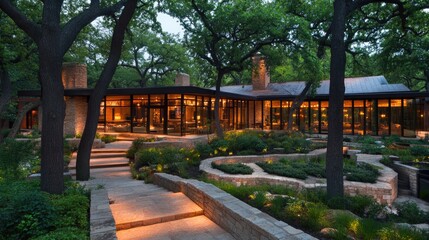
399,145
408,175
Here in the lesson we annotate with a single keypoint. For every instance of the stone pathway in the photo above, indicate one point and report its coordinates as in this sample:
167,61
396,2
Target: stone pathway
139,210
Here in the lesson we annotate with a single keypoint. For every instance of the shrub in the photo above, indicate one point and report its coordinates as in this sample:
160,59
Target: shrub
258,200
307,214
168,159
296,145
205,150
281,169
108,138
17,159
362,172
409,212
67,233
419,151
26,214
233,168
389,233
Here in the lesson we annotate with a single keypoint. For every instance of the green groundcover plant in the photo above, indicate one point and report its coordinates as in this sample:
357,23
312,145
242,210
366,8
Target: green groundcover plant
301,169
233,168
28,213
351,217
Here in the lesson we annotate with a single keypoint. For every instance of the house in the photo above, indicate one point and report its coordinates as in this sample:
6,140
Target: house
372,106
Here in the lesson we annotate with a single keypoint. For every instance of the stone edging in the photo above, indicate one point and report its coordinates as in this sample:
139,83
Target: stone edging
384,191
102,224
236,217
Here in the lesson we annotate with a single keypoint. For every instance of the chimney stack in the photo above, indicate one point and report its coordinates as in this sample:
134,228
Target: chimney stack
260,73
182,79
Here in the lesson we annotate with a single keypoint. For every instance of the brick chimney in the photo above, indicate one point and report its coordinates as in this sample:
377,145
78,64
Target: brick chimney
182,79
260,73
74,75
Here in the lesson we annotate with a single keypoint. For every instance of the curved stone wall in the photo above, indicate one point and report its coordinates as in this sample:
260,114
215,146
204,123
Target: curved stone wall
384,190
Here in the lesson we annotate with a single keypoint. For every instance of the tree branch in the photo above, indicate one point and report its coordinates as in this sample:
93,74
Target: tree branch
76,24
33,30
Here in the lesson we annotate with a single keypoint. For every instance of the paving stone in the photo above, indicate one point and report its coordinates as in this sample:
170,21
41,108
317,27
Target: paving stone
199,227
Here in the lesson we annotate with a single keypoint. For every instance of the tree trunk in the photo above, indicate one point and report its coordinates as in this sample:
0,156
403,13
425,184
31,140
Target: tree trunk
297,102
17,124
85,145
53,111
334,155
219,130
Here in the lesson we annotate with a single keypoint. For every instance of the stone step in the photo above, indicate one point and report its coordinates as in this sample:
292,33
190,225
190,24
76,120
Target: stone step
103,162
147,210
404,192
199,227
105,154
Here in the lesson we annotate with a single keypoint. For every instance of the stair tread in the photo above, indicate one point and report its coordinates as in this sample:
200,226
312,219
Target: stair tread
156,208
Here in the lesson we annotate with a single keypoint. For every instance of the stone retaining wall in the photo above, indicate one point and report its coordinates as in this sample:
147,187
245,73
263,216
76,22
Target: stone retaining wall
236,217
102,224
384,190
408,174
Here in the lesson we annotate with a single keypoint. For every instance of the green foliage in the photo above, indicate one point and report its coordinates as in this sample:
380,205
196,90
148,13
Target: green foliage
362,172
233,168
307,214
205,150
281,169
108,138
17,159
398,233
66,233
136,145
409,212
168,159
26,212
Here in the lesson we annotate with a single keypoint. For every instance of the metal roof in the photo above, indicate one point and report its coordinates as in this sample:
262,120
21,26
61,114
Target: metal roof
360,85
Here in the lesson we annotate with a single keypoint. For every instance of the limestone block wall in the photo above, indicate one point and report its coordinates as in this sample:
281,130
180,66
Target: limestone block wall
385,190
408,174
236,217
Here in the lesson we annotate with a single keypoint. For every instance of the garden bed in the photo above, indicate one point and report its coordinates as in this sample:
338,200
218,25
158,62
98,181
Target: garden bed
384,190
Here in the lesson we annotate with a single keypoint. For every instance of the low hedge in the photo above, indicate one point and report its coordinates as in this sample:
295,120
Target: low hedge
233,168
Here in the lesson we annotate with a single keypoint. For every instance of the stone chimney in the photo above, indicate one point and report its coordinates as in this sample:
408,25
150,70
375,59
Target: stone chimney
74,75
182,79
260,73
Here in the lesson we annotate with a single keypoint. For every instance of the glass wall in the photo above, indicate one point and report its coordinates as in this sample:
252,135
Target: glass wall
180,114
396,117
118,114
276,115
383,117
324,116
348,117
409,117
174,115
140,113
315,117
359,117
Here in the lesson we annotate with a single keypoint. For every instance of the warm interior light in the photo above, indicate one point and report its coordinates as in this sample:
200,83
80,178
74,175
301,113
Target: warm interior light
361,113
383,115
117,116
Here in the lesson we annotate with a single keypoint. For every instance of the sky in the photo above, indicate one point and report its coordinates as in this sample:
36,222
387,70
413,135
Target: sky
169,24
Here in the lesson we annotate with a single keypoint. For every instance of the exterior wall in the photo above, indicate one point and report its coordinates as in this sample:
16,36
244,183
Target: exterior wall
74,75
